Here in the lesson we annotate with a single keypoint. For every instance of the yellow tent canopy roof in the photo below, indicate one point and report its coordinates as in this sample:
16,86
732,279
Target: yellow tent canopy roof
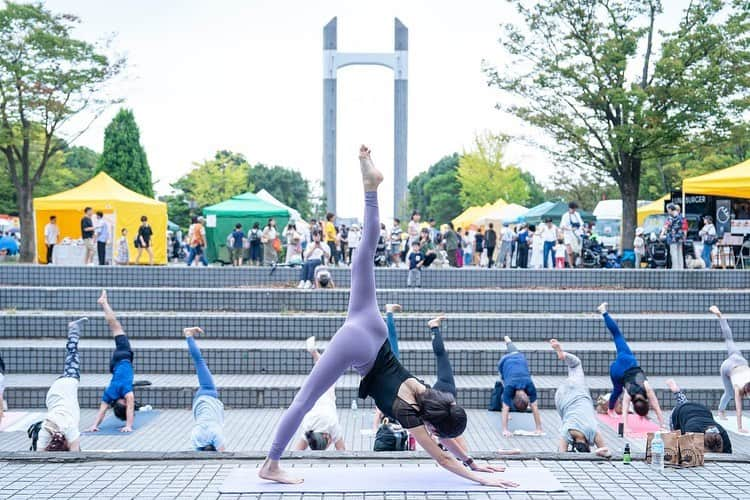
655,207
101,189
471,215
733,182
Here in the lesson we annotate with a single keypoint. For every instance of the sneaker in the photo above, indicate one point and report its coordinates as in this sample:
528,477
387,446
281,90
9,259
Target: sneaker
301,284
308,285
310,344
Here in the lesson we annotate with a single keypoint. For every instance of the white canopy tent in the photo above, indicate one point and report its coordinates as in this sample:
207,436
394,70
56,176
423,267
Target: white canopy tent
301,224
506,213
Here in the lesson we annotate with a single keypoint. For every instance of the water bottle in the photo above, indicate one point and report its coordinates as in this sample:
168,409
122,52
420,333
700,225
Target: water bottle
657,452
626,458
354,406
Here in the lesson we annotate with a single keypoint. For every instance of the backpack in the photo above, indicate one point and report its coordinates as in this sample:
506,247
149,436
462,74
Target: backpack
496,399
255,235
391,437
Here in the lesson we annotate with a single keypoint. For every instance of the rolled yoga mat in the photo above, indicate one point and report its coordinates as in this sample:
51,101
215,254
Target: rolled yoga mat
358,479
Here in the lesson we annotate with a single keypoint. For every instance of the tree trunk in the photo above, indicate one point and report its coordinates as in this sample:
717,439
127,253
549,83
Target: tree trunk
28,230
629,186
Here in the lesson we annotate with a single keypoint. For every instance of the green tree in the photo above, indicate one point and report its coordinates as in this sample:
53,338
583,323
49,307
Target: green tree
123,157
286,185
591,74
46,78
215,180
587,189
435,192
485,177
178,209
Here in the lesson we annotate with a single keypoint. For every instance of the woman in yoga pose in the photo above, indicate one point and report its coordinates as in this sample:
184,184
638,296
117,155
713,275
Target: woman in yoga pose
735,374
628,378
208,410
362,343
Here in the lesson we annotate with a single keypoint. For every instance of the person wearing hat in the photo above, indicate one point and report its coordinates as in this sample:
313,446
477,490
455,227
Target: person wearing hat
708,237
639,247
675,234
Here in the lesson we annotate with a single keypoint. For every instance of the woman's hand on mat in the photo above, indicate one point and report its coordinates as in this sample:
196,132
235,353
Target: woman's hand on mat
604,452
496,481
93,428
507,433
127,428
487,468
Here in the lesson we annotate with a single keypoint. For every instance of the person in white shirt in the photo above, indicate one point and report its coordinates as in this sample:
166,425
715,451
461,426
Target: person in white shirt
549,237
537,247
506,246
571,225
59,429
639,247
51,236
708,237
355,236
317,252
320,428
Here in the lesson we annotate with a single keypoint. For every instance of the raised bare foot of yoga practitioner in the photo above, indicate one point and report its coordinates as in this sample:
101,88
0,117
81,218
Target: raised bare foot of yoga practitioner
102,300
602,308
393,308
715,310
507,339
558,349
672,385
272,471
435,322
79,321
192,331
371,176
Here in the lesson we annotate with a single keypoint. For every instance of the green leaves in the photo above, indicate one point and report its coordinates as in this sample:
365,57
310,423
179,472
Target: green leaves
123,158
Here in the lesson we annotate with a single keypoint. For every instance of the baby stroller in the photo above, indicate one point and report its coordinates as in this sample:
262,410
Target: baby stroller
657,253
381,258
592,253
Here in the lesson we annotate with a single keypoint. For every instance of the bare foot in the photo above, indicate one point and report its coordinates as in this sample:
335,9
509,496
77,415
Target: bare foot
310,344
192,331
602,307
558,349
392,308
507,339
79,322
715,310
371,176
271,471
672,385
435,322
102,300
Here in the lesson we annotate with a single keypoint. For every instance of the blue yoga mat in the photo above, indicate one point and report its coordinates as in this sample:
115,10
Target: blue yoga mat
112,425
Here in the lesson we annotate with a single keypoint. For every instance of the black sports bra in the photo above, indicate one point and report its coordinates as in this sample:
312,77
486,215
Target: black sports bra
633,379
382,383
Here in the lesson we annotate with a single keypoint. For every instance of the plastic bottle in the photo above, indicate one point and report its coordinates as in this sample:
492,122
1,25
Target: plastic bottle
354,404
412,442
657,452
626,458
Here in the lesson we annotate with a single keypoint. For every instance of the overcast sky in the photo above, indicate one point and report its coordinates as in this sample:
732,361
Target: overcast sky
247,76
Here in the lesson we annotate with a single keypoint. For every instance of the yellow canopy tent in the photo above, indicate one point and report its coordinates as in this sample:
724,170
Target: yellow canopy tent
472,215
733,182
655,207
103,193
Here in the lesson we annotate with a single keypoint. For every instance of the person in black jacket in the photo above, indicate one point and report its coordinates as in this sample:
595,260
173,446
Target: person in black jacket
490,241
695,417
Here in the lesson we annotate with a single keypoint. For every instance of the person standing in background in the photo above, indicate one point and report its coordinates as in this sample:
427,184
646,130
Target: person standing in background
123,251
478,247
522,261
451,245
343,237
329,231
490,241
237,240
144,241
355,236
549,236
675,233
413,227
270,234
51,236
395,243
256,251
708,237
87,235
506,246
102,238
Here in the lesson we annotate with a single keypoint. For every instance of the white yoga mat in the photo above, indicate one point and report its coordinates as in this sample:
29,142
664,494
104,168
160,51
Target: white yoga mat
523,422
24,420
730,424
384,479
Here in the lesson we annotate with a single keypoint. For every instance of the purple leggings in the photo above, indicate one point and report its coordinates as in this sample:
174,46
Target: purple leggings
356,343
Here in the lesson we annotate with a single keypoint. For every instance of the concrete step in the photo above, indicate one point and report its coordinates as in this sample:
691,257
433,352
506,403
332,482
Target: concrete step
26,390
216,277
289,357
288,301
475,327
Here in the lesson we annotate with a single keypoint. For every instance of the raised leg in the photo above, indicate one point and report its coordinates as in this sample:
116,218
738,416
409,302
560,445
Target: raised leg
392,333
72,367
445,379
205,379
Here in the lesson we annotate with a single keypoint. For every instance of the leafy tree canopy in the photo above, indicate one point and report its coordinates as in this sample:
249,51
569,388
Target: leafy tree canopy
123,158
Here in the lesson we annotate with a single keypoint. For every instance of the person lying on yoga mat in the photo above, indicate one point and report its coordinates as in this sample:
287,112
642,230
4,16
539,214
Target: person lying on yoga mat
119,394
735,374
519,391
628,378
320,427
362,343
208,410
695,417
59,429
579,430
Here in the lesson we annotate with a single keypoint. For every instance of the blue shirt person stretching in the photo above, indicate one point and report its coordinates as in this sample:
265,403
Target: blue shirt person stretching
519,390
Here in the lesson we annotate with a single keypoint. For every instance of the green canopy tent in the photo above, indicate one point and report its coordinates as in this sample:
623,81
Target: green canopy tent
247,209
554,211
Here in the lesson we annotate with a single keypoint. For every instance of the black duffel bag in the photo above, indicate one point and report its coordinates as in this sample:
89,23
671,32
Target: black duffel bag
391,437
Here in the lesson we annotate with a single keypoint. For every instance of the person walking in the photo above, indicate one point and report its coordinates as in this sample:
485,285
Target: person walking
571,225
256,247
478,247
236,239
675,233
506,245
102,238
87,235
144,241
708,237
490,240
522,261
51,236
270,244
549,239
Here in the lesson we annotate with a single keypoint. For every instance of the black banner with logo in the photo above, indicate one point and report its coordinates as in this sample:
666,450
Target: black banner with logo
723,217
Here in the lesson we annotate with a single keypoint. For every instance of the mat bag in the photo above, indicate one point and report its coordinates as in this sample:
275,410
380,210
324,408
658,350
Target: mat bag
496,398
391,437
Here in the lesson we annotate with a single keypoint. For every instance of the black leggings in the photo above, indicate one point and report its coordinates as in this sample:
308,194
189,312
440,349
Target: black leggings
122,351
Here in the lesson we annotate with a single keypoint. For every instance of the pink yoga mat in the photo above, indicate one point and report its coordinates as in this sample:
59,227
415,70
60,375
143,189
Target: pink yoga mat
637,426
10,418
